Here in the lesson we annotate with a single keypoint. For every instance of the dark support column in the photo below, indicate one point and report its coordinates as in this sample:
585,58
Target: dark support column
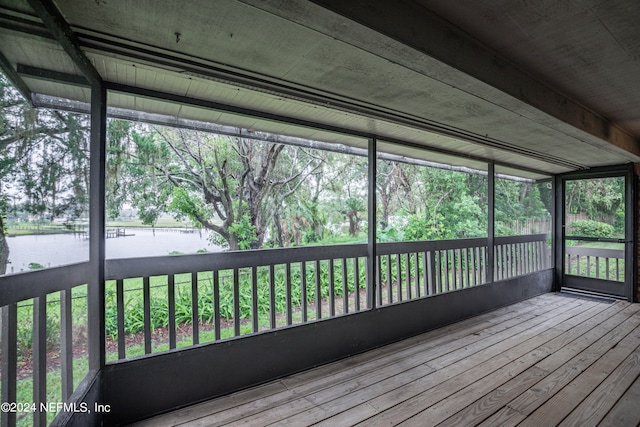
630,233
491,190
96,227
558,232
371,211
635,174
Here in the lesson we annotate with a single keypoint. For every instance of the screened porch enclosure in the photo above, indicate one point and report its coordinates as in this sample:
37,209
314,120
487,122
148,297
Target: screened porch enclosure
442,122
311,304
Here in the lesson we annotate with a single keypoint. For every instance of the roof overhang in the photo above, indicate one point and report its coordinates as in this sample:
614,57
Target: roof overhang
339,72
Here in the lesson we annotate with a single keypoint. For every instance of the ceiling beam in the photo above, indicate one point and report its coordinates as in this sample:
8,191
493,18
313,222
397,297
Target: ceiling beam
51,76
418,28
62,32
15,78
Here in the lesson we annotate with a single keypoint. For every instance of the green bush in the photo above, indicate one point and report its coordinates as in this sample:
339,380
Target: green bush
35,266
589,228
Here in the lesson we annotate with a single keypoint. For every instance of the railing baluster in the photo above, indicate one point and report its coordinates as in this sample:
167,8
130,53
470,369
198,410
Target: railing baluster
389,282
345,288
578,265
483,265
39,358
146,301
426,272
356,280
399,276
431,280
195,315
9,361
66,344
447,270
505,261
466,267
120,318
288,293
588,266
318,291
474,265
618,269
438,271
216,304
236,302
416,266
374,291
407,269
460,275
272,296
255,319
332,302
303,290
597,267
543,255
171,308
608,277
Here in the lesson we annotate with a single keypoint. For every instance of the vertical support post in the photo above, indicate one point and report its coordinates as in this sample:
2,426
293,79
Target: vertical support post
146,309
491,193
39,343
557,236
195,315
8,365
66,343
371,214
97,199
120,318
630,254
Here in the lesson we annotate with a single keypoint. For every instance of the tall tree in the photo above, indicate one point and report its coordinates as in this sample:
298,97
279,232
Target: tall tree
232,186
43,158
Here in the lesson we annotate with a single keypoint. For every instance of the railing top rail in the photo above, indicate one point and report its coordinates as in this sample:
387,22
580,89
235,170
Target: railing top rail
595,252
158,266
505,240
22,286
389,248
172,264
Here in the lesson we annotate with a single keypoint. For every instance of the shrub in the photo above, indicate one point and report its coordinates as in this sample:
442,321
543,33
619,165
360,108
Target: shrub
589,228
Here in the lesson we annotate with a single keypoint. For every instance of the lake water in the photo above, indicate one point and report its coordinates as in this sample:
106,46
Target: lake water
60,249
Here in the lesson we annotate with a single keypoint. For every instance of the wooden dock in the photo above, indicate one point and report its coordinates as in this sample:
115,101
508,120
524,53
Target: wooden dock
551,360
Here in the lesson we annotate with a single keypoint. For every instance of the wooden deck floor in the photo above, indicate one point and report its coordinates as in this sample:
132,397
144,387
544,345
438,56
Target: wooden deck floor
552,360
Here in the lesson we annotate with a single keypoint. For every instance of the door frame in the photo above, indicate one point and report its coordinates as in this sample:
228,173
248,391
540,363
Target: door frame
630,248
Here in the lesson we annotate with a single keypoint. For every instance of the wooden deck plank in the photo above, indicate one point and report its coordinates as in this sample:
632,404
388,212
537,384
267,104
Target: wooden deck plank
549,360
394,404
525,354
566,364
369,385
553,411
625,412
594,408
379,359
442,341
559,349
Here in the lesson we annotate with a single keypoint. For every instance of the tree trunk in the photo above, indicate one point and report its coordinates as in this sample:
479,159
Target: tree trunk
4,249
278,223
